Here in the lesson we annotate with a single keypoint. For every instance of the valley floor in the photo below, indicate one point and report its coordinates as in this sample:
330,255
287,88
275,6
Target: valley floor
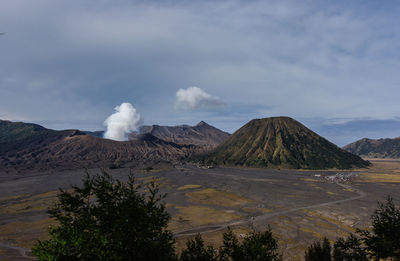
301,206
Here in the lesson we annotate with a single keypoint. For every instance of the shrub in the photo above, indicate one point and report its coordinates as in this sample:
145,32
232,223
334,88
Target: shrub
319,251
107,219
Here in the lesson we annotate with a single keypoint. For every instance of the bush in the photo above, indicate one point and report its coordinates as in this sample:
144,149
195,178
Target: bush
260,246
196,251
382,242
256,246
106,219
384,239
349,249
319,251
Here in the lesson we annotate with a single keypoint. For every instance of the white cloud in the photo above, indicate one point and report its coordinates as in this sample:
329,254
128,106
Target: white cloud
124,120
195,98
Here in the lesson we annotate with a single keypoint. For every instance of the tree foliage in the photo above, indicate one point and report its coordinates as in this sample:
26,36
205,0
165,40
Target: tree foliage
349,249
319,251
231,248
383,241
107,219
255,246
196,251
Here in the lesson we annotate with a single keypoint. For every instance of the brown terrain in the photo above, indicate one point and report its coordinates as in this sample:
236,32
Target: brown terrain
25,147
300,205
76,151
201,134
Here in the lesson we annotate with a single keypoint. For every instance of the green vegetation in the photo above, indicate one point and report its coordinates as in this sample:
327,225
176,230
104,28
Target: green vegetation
16,134
196,251
319,251
382,148
281,142
18,131
107,219
18,137
380,243
349,249
255,246
384,239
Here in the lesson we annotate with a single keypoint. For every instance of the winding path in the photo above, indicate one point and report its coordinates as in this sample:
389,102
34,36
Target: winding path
249,221
22,251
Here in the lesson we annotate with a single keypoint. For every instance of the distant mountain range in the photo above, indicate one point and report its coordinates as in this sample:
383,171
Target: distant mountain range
280,142
201,134
25,146
381,148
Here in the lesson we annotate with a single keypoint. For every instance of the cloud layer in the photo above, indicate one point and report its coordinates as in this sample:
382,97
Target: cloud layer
304,59
124,120
195,98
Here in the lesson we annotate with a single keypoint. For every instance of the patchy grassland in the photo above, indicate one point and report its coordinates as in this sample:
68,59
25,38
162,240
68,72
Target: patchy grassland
25,233
380,177
199,215
206,197
27,203
189,186
211,196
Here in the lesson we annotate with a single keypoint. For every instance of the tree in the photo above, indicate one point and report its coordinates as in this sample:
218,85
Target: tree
231,248
379,243
107,219
260,246
196,251
349,249
318,251
256,246
384,239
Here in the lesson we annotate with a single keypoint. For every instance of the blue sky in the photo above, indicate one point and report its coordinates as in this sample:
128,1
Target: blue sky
332,65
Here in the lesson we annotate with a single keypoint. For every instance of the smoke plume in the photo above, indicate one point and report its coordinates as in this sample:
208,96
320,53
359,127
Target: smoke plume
124,120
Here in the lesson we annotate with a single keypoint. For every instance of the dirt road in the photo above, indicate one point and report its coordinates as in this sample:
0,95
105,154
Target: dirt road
249,221
22,252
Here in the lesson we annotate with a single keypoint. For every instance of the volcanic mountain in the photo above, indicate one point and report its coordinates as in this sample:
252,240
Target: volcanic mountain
381,148
25,146
281,142
201,134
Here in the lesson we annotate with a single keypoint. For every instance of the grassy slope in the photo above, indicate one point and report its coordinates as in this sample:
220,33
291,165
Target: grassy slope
382,148
281,142
15,135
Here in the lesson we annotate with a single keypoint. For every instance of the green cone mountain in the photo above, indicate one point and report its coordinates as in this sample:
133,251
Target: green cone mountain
281,142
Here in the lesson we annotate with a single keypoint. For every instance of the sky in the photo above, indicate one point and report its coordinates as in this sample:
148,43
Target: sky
332,65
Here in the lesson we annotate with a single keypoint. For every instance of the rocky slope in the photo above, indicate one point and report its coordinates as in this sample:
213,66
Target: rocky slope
201,134
25,146
280,142
381,148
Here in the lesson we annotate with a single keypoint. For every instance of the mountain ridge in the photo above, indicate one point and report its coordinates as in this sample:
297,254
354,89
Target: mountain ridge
201,134
280,142
27,146
375,148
